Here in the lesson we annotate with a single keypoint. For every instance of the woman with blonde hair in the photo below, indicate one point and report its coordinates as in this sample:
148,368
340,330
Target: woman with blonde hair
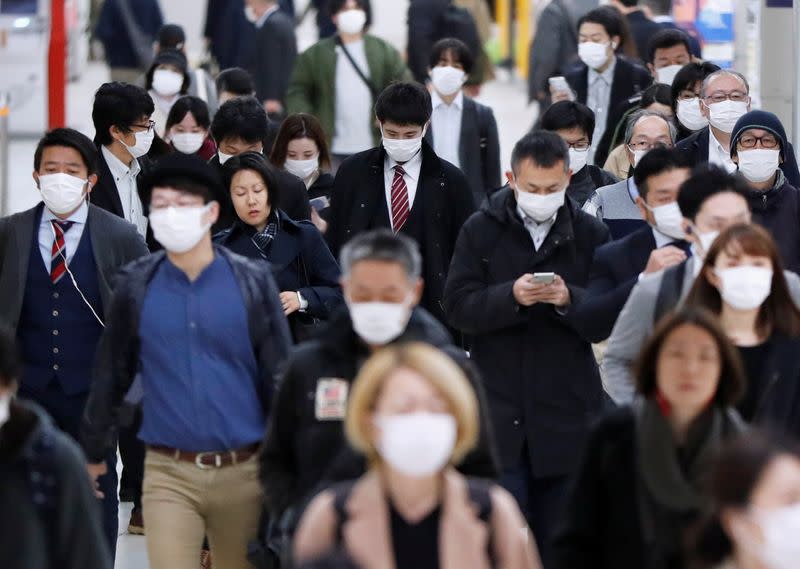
413,413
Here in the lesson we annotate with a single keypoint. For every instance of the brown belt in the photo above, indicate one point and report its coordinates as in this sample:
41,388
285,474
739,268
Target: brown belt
207,460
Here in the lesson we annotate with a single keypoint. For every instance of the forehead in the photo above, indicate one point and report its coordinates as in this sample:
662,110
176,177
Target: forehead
649,125
592,28
757,132
393,126
380,273
572,134
404,382
724,204
528,171
671,179
690,334
672,51
62,155
247,177
725,82
162,193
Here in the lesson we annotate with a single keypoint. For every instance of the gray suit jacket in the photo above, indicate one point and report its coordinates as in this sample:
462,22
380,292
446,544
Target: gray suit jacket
635,324
114,240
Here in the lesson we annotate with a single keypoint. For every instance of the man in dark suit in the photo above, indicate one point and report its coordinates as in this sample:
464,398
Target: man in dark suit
57,262
660,12
641,26
462,131
272,52
404,186
617,266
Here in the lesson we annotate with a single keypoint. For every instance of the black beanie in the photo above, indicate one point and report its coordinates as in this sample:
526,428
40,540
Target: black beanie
762,120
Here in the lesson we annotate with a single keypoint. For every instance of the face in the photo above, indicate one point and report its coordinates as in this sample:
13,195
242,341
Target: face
64,160
380,281
589,31
448,59
729,260
575,137
719,212
235,145
250,197
666,56
534,179
690,92
349,5
188,124
662,189
170,67
302,149
164,197
142,124
394,131
688,369
724,87
648,132
756,138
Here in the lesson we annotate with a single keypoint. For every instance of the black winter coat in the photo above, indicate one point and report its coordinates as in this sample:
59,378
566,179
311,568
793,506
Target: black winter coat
541,377
778,387
302,453
322,188
778,211
117,360
359,204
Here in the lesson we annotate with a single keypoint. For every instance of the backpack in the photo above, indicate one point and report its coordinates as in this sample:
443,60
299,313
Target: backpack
457,22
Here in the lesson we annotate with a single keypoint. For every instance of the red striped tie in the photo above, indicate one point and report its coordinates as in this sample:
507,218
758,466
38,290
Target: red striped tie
400,207
58,265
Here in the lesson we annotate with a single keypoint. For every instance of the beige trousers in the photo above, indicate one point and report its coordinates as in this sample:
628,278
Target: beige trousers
182,503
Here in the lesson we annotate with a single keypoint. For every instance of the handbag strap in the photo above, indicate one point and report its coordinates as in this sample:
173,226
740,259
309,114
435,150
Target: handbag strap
358,70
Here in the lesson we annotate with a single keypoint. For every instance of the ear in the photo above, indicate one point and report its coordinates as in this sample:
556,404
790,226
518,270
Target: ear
704,108
418,287
614,42
510,179
92,181
711,276
36,177
629,154
213,213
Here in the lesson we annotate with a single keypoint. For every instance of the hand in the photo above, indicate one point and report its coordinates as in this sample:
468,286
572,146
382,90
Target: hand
663,258
96,470
273,106
558,96
290,302
318,222
528,293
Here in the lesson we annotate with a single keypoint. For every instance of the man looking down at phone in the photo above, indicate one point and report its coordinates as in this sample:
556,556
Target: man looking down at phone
519,267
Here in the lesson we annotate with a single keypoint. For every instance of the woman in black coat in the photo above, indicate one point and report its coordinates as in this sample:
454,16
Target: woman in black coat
641,482
305,271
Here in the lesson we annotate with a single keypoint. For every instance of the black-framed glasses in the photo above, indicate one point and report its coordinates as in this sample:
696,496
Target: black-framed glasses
579,146
750,141
149,126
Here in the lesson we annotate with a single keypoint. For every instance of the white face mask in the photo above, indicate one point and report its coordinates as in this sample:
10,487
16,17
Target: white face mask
666,75
706,240
167,82
5,408
351,22
250,14
61,193
690,115
540,208
593,54
447,80
378,323
759,164
144,140
417,444
637,156
302,168
224,157
725,114
577,159
402,150
669,220
179,229
745,287
781,527
188,142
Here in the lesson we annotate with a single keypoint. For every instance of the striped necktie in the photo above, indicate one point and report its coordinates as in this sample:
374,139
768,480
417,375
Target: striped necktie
400,206
58,263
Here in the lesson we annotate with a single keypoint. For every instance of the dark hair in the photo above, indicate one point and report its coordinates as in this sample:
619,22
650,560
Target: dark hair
183,172
628,3
295,127
778,313
667,38
659,160
543,148
690,74
658,7
732,379
10,364
256,162
185,105
243,117
609,18
335,6
121,105
70,138
656,93
382,245
708,180
404,104
237,81
169,57
457,49
171,36
337,560
566,115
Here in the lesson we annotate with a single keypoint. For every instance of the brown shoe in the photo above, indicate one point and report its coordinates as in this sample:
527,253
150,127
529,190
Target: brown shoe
136,525
205,559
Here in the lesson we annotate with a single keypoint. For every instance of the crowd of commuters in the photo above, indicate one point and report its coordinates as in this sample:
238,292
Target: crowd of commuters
323,330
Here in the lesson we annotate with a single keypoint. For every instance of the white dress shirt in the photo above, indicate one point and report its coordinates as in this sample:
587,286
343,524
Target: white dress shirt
717,154
598,98
72,236
262,20
661,239
538,231
125,180
352,128
412,171
446,124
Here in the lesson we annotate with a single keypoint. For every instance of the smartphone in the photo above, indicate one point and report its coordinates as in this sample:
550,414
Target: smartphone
320,203
559,83
543,278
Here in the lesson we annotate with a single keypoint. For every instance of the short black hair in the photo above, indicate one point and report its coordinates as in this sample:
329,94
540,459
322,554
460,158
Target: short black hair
171,36
184,172
185,105
708,180
243,117
659,160
258,163
10,364
457,49
404,104
666,39
71,138
335,6
609,18
690,74
658,7
172,57
566,115
544,148
656,93
629,3
237,81
121,105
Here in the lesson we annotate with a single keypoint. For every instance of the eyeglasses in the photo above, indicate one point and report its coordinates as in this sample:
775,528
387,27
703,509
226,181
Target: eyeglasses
579,146
750,141
149,126
646,146
735,96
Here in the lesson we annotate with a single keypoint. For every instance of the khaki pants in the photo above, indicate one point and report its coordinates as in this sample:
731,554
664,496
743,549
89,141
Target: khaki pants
183,503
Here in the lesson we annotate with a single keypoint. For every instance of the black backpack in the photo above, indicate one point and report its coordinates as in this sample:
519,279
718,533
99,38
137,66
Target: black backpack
458,23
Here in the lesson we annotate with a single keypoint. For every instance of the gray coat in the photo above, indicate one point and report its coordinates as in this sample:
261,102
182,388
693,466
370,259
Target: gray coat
635,324
115,243
554,46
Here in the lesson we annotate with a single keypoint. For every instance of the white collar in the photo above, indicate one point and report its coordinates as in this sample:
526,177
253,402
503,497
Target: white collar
79,216
458,102
117,167
260,23
666,19
412,168
661,239
716,143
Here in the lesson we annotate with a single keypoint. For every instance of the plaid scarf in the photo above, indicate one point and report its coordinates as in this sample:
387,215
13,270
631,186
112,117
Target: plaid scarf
263,239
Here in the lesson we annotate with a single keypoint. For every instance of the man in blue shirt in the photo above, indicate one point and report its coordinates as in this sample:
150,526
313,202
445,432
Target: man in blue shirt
204,331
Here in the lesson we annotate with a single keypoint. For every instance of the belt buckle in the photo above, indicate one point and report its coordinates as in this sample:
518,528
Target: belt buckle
198,461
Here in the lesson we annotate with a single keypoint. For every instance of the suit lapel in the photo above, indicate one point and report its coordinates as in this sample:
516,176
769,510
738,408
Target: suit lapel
19,247
105,193
621,81
469,130
104,258
582,85
642,244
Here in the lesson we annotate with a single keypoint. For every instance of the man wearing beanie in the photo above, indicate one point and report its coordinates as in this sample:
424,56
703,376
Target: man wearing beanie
759,148
206,370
